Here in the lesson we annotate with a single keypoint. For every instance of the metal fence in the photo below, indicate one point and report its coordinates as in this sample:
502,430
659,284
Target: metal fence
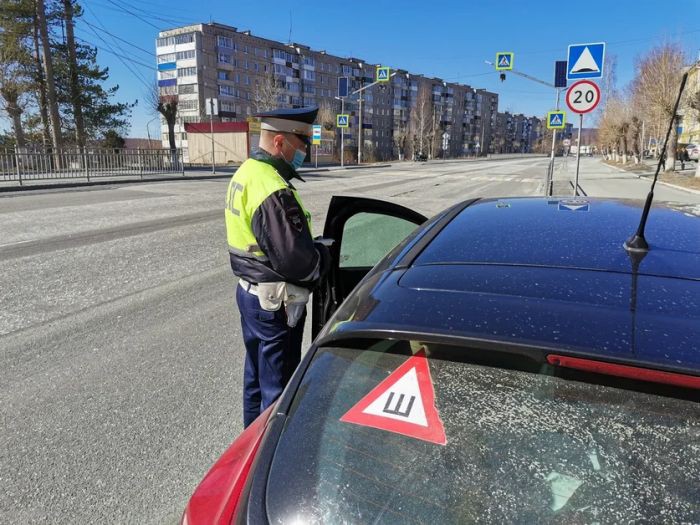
22,165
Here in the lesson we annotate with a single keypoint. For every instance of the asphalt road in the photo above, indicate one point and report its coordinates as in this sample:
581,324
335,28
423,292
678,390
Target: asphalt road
121,354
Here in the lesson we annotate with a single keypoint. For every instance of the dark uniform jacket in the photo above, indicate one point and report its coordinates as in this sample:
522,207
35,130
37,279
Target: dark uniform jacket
281,229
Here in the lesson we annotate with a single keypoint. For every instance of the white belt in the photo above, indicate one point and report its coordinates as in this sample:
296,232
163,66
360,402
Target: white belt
248,287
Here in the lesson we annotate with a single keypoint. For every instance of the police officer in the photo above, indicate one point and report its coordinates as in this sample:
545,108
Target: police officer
272,251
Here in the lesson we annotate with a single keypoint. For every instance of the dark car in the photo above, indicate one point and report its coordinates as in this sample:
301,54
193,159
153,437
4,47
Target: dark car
507,361
420,157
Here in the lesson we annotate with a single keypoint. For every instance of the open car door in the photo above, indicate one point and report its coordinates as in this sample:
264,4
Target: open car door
364,231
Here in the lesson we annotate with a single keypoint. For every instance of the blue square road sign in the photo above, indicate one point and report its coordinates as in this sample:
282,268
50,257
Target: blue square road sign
504,61
585,61
556,120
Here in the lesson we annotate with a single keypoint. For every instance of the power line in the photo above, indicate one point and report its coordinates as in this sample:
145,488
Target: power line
123,61
141,12
157,15
138,75
151,53
101,48
132,14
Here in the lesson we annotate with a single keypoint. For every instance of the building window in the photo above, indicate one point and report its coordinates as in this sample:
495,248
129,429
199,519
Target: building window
309,75
227,90
187,89
164,59
165,41
278,53
309,61
165,75
184,55
224,41
187,72
184,39
222,75
168,90
245,49
245,65
187,105
246,80
224,58
309,89
256,67
237,78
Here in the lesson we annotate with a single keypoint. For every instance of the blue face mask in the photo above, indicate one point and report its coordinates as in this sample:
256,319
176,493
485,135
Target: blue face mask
298,159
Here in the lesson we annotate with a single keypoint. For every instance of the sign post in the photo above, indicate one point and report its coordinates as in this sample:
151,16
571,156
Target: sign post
212,108
343,86
316,139
582,97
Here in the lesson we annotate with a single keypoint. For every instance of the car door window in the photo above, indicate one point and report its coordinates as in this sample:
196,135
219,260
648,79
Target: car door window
367,237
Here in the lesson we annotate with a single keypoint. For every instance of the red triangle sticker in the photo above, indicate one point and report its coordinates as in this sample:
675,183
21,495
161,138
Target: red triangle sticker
403,403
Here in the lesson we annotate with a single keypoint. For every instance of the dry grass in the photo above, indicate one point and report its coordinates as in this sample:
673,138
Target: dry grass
687,181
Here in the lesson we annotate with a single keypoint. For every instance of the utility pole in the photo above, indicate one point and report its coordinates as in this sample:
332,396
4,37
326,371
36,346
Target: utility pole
359,134
359,143
211,129
342,134
550,168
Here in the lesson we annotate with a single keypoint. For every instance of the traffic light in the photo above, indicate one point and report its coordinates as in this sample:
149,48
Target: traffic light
503,76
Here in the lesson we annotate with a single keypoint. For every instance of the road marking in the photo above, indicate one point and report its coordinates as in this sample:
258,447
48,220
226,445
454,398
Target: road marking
14,243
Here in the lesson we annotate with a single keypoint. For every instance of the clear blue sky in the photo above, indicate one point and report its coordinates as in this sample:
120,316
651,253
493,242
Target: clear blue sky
446,39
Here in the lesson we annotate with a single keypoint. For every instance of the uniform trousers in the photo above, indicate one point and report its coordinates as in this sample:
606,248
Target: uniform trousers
273,351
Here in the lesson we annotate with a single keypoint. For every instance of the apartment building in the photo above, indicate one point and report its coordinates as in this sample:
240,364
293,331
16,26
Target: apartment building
244,71
517,133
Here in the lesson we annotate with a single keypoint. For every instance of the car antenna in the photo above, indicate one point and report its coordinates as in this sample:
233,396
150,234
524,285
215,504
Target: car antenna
637,243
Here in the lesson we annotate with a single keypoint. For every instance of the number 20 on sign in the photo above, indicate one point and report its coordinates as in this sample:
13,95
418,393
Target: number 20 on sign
583,97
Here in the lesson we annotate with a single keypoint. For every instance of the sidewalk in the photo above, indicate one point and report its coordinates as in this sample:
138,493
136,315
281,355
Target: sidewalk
597,179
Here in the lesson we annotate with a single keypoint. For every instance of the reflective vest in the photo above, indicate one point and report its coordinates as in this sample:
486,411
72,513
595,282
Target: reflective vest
252,183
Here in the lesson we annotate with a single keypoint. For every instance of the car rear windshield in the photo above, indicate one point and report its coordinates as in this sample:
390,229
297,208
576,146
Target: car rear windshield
526,443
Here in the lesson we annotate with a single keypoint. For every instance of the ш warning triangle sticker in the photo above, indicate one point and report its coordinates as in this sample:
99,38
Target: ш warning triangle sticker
403,403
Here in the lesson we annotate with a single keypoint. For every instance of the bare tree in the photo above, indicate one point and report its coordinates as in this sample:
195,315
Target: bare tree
692,105
267,92
421,117
400,138
656,88
167,106
326,118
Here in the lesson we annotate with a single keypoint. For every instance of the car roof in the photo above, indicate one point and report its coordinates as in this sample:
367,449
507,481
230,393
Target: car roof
526,272
570,233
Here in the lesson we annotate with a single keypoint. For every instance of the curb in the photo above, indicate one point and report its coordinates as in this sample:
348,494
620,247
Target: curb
689,190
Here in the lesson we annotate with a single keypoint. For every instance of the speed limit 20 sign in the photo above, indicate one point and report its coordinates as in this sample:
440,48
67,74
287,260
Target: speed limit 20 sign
583,96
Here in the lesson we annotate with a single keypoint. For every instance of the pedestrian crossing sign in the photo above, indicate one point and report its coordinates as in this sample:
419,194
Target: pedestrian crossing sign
382,74
504,61
556,120
342,120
